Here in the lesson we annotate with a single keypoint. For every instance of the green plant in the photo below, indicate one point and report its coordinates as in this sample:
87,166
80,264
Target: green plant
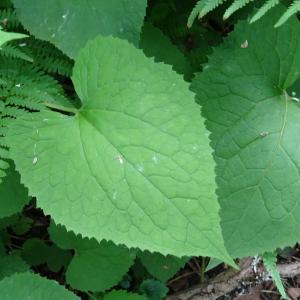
205,6
112,175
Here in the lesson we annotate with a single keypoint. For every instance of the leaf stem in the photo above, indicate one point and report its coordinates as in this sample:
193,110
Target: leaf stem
61,108
202,274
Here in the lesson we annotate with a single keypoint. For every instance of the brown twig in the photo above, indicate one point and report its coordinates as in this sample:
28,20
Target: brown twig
230,279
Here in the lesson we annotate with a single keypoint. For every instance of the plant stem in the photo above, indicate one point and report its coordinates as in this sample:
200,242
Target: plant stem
61,108
202,274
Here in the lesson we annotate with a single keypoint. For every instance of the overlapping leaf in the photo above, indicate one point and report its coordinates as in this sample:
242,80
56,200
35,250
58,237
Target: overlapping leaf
133,164
155,44
95,266
11,264
69,24
13,195
256,133
161,267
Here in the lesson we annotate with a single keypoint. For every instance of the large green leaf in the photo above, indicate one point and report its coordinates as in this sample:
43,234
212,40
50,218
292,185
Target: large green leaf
95,266
69,24
13,195
33,287
256,134
133,164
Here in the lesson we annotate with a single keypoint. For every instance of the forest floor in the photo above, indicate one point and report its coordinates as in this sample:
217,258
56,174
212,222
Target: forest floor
251,282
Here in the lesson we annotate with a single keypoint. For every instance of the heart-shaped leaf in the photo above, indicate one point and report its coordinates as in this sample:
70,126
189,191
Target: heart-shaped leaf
133,164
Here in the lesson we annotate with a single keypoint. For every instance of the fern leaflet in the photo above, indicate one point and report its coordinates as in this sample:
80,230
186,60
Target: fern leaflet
202,8
264,9
269,259
293,9
236,5
8,19
12,51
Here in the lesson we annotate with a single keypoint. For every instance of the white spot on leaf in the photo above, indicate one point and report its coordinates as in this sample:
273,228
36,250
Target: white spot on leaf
35,160
245,44
120,159
264,133
140,168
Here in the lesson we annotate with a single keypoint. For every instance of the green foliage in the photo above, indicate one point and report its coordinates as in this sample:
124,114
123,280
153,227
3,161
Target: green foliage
270,259
161,267
236,5
121,176
155,44
153,289
22,286
264,9
8,19
13,195
11,264
205,6
36,252
121,117
118,295
54,20
255,134
95,266
8,36
292,10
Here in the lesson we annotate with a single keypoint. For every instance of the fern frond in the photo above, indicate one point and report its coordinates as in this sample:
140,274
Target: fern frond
270,259
27,81
47,57
29,103
202,8
293,9
9,19
264,9
25,88
209,5
195,12
12,51
236,5
4,154
3,149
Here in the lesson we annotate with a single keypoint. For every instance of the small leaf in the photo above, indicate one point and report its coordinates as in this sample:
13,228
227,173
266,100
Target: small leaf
94,267
36,252
13,194
153,289
11,264
161,267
